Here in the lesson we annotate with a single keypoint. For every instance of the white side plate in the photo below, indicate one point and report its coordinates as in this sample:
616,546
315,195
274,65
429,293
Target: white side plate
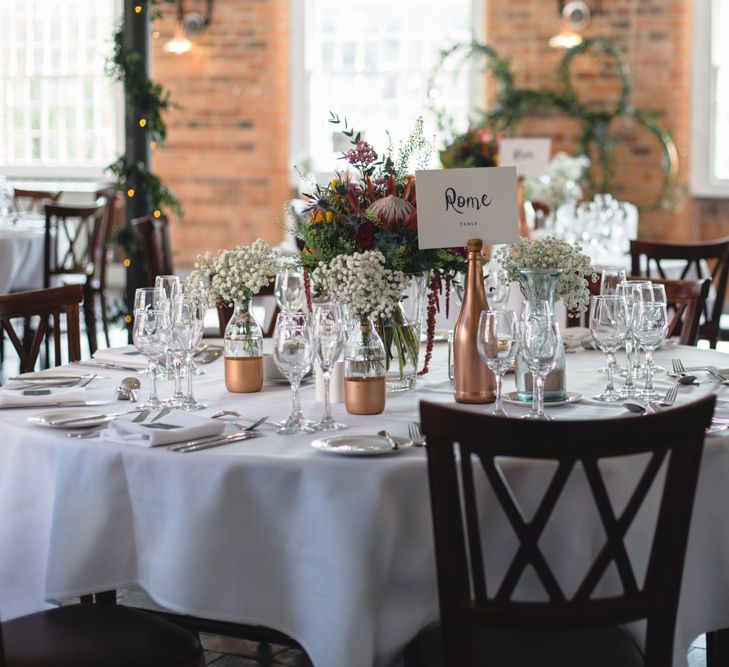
49,418
572,397
360,445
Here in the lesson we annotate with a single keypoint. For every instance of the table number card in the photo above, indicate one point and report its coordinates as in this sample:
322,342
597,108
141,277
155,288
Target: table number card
455,205
529,156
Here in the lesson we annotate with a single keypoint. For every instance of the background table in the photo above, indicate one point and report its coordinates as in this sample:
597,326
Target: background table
21,255
336,552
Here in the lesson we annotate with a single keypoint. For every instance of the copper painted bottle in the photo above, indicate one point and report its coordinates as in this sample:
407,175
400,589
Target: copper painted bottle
475,383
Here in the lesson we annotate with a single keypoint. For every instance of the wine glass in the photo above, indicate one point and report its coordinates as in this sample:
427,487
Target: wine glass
289,289
608,326
187,329
497,345
145,298
329,342
293,352
540,340
149,336
611,280
649,324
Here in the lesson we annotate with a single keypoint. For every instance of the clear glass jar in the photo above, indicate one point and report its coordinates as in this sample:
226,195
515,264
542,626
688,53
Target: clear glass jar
243,349
364,370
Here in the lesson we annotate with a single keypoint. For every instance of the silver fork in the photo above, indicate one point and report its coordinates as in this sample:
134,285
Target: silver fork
678,367
669,398
416,435
162,413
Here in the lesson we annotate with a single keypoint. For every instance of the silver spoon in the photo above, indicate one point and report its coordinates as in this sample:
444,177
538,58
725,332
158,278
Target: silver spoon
639,409
388,437
127,388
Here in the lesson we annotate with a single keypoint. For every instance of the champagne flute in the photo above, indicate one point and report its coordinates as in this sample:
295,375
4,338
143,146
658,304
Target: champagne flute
293,352
497,345
187,328
650,328
329,342
540,340
608,326
149,336
167,289
631,291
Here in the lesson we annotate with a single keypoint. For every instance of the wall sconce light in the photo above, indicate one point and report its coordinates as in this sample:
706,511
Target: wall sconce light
188,25
576,16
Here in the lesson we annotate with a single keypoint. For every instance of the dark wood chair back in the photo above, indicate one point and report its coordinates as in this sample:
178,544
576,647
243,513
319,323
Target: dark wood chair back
465,445
154,239
74,234
102,252
225,312
47,305
686,299
33,201
697,256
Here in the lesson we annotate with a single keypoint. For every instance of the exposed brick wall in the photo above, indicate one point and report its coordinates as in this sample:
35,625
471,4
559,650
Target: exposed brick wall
226,156
656,36
227,152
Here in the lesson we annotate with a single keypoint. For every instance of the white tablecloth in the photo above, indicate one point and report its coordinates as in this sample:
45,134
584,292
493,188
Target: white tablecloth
336,552
21,257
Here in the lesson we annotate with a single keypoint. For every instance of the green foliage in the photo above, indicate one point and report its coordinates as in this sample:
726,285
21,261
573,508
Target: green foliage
513,104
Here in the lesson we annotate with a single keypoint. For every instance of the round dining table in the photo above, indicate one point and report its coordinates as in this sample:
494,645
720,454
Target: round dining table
335,551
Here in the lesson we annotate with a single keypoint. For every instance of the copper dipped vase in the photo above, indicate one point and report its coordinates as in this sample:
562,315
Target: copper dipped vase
243,346
365,389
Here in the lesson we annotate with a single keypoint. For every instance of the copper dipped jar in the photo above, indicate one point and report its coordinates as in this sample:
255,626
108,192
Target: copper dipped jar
365,390
243,375
474,382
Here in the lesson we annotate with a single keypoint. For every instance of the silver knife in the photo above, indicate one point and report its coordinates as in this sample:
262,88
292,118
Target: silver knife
106,364
62,404
212,441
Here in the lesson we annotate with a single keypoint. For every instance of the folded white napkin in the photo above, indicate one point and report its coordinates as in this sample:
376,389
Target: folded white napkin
39,395
126,356
186,426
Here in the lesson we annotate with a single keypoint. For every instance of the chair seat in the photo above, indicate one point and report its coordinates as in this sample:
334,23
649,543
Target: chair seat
604,647
92,635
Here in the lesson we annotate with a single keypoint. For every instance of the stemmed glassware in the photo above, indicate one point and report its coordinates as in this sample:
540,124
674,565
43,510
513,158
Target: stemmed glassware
611,280
149,334
540,341
609,325
632,291
289,289
187,328
649,324
167,288
329,342
497,345
293,353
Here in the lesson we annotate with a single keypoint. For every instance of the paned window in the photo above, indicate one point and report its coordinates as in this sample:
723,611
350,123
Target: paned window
59,115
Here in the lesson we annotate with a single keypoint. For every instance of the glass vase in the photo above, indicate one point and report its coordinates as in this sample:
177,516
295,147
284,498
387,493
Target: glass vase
243,348
541,285
364,370
400,333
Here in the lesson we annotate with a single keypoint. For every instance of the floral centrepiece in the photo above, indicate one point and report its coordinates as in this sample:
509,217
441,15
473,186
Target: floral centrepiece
234,277
551,253
477,147
561,184
372,207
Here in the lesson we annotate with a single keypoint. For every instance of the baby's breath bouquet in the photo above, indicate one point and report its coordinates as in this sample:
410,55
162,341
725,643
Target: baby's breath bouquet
551,253
235,275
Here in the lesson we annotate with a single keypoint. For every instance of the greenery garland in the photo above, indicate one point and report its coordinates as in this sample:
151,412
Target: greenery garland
512,104
147,100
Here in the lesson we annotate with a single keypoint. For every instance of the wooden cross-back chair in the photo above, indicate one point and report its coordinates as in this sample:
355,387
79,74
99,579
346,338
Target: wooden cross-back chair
698,257
33,201
572,623
75,237
154,239
685,299
48,305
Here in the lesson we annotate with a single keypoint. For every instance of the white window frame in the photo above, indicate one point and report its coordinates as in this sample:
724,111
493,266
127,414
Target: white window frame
299,144
703,121
57,174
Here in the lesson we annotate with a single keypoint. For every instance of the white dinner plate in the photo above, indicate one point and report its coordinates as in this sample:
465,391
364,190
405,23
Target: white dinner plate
50,418
572,397
360,445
